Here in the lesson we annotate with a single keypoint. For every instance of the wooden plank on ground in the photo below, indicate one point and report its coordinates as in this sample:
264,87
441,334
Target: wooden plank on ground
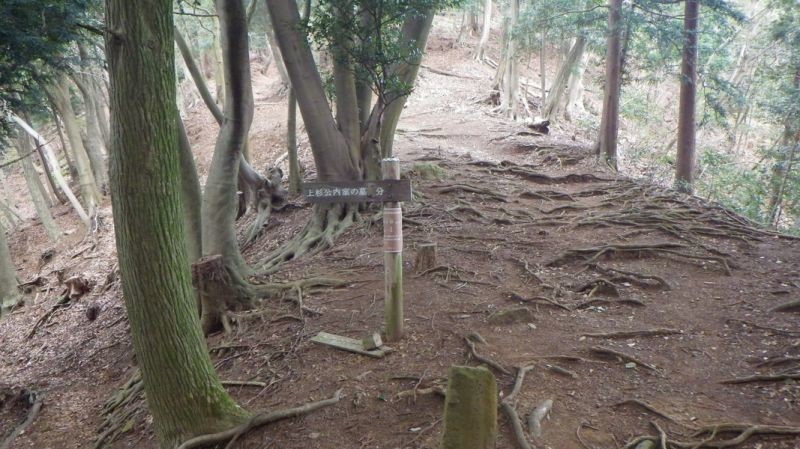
349,344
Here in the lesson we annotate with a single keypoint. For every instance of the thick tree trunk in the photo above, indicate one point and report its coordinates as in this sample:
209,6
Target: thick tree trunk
36,189
574,106
184,393
89,192
331,151
684,175
55,169
480,52
191,196
609,122
9,294
555,104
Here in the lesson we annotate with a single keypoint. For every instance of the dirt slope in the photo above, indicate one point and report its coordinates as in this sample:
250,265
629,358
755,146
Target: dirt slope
584,252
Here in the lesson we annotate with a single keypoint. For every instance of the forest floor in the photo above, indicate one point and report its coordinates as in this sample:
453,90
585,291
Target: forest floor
635,303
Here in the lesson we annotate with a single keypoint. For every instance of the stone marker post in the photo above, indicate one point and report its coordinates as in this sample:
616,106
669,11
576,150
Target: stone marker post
470,410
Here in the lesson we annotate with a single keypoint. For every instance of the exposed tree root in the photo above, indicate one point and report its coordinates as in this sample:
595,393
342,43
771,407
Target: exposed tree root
120,409
35,401
529,173
711,436
590,255
327,223
547,195
511,412
631,334
520,298
773,330
763,378
605,302
258,420
651,409
474,353
631,277
473,189
791,306
602,351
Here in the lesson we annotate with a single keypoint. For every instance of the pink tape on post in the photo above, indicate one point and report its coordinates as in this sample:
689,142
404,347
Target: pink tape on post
392,230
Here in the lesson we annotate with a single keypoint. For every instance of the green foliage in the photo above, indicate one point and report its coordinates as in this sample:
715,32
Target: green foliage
369,35
36,38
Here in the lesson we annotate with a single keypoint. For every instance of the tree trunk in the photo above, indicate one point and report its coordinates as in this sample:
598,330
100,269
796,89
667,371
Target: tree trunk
94,138
274,48
684,175
183,392
89,192
480,52
191,196
609,122
9,294
73,172
331,151
55,169
36,189
219,69
509,91
574,106
555,104
291,145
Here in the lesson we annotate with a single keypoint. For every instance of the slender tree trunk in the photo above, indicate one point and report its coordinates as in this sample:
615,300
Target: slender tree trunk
219,208
574,106
55,169
480,52
9,294
73,172
94,139
36,189
543,67
291,145
89,192
510,92
684,175
184,393
274,48
219,70
50,180
609,122
555,104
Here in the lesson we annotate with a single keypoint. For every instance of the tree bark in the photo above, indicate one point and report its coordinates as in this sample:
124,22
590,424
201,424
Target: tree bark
331,151
184,393
609,122
684,175
9,294
274,49
219,208
36,189
89,192
291,145
480,52
95,146
73,172
555,104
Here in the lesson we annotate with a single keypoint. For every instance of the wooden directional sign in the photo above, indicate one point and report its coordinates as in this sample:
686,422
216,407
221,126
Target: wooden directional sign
358,191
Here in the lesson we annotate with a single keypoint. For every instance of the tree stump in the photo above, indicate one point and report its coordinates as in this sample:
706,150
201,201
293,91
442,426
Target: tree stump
470,411
426,257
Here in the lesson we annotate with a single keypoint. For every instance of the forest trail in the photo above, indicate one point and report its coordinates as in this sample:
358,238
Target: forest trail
625,296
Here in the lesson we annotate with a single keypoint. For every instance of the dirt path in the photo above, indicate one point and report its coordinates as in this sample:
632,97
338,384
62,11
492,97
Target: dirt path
539,255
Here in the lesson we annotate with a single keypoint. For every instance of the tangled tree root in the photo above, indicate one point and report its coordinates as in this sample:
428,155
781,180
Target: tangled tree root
497,196
327,223
710,436
529,173
231,435
592,254
121,409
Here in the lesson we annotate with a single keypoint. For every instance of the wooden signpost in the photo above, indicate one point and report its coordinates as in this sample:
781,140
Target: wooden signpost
391,191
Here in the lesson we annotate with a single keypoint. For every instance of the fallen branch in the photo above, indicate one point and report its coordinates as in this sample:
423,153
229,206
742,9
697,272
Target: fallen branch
511,412
258,420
